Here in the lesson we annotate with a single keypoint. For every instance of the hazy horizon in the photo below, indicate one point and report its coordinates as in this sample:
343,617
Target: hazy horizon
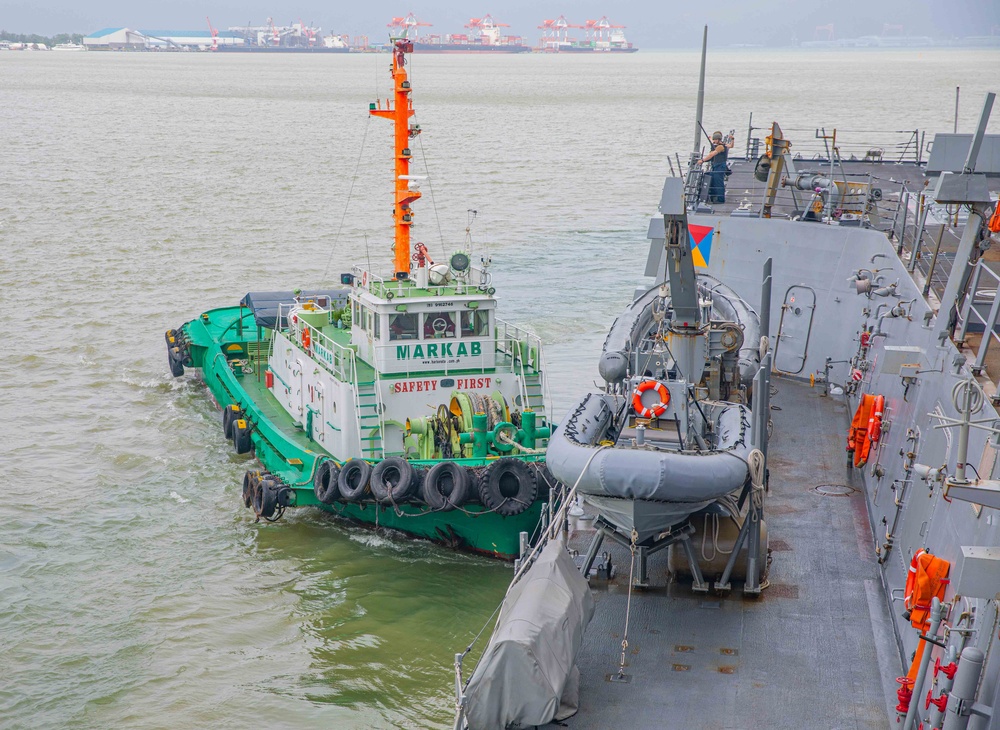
667,25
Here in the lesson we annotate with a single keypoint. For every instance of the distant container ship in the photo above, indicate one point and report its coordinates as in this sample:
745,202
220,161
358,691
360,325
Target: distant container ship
485,36
600,36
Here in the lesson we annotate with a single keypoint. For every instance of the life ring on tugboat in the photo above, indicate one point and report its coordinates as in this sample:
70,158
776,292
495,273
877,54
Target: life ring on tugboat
508,487
306,338
654,411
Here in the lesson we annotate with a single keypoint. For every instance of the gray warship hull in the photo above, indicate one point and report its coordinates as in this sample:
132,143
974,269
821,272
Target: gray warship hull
884,285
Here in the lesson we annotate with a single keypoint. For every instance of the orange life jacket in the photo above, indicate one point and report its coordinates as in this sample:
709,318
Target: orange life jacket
927,579
859,424
866,427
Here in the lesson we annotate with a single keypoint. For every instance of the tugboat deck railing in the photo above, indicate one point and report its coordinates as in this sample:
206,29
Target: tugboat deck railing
382,284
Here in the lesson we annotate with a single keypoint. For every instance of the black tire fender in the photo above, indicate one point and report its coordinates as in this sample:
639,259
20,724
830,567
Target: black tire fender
230,413
241,430
352,482
176,367
325,482
544,479
446,486
265,499
250,482
508,487
392,480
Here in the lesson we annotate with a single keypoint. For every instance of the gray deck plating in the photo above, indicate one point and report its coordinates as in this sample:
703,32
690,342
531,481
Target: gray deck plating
815,650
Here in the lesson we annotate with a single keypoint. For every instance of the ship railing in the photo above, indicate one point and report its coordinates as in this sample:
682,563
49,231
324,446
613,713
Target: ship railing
927,236
524,349
984,284
337,359
891,146
381,282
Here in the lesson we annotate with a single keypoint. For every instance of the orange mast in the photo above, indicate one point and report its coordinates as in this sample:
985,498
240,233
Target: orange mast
400,112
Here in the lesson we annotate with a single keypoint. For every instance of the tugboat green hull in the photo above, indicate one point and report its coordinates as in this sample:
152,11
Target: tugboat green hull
230,351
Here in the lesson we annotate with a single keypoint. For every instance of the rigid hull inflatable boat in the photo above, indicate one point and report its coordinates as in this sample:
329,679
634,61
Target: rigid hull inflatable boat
670,434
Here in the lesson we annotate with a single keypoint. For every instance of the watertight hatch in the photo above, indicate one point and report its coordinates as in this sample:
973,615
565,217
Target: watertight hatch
794,329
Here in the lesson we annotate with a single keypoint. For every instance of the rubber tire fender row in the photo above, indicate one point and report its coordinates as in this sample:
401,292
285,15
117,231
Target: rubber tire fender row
353,479
446,486
508,487
392,480
325,485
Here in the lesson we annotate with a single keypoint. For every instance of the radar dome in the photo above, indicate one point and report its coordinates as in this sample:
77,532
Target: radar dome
439,275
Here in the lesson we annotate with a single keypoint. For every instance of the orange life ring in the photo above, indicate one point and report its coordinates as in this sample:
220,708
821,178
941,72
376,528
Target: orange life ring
306,338
656,410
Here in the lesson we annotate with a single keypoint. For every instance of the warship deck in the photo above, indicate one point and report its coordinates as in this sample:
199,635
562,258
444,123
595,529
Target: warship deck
816,649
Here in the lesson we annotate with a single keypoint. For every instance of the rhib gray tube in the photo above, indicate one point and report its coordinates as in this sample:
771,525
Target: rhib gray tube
632,325
647,474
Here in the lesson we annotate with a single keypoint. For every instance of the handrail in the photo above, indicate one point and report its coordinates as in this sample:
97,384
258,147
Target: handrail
368,277
342,362
379,411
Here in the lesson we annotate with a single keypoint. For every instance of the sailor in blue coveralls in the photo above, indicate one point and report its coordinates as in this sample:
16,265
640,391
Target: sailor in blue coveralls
717,174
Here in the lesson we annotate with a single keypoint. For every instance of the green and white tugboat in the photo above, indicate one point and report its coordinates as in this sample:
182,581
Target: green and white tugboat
396,399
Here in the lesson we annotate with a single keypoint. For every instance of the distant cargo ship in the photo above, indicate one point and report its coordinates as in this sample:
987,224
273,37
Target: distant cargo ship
601,36
485,37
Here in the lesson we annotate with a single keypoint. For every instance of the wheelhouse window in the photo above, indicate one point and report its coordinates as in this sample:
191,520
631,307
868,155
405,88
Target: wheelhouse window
438,325
475,323
403,326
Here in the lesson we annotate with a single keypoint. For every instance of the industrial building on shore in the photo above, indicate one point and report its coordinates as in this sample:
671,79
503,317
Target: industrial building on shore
126,39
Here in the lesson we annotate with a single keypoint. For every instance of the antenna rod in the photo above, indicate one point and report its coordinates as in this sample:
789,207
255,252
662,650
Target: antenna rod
701,93
957,90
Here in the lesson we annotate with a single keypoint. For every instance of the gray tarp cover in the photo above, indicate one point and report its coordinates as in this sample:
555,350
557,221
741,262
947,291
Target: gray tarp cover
530,661
265,303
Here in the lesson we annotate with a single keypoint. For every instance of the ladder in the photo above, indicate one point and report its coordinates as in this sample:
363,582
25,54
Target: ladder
534,392
370,424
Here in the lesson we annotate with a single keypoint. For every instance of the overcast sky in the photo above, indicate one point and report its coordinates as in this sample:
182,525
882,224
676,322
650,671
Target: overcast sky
663,24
